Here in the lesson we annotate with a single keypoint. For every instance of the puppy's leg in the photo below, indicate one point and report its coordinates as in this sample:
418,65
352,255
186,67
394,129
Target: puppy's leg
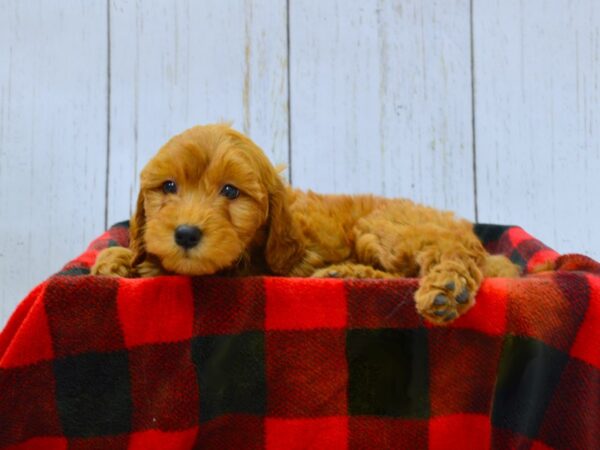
441,250
351,270
114,261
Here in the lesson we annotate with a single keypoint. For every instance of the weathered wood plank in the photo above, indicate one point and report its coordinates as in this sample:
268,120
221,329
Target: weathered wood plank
52,138
175,64
537,75
381,99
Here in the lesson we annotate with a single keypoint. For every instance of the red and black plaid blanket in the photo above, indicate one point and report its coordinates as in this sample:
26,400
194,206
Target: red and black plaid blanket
282,363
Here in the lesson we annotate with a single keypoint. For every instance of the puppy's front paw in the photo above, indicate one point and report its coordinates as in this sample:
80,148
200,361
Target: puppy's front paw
113,261
445,294
148,269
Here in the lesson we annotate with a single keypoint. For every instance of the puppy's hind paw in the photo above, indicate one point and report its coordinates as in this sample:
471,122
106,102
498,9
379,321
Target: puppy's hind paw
443,297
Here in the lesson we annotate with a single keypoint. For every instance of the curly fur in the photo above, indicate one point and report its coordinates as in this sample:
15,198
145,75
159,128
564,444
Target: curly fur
274,229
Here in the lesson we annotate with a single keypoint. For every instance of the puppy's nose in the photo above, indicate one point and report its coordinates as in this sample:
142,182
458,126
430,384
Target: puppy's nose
187,236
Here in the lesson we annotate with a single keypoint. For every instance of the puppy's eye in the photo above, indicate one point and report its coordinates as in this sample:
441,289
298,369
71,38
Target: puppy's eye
231,192
169,187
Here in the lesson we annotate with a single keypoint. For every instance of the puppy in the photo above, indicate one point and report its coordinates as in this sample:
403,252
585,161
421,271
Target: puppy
211,203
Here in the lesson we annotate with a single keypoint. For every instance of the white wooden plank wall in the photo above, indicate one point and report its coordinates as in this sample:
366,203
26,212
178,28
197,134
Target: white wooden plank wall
486,107
381,99
53,122
537,118
175,64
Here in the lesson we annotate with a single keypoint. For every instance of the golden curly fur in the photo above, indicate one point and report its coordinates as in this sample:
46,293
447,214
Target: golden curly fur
270,228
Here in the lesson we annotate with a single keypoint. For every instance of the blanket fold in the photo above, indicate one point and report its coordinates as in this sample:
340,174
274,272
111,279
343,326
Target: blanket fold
179,362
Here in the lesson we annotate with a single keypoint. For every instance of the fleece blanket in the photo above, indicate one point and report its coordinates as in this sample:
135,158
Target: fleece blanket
282,363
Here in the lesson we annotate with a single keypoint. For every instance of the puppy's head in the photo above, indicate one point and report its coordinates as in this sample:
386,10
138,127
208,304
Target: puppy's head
208,196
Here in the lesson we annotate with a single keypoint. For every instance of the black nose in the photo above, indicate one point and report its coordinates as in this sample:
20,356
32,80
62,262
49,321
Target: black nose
187,236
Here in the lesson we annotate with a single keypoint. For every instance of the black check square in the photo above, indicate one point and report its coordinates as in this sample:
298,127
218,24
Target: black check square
489,233
518,259
93,394
231,374
527,377
388,372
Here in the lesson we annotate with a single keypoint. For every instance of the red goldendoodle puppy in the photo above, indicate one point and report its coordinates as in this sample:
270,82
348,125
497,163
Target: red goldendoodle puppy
211,202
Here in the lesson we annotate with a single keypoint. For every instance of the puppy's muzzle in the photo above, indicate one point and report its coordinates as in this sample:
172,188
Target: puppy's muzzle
187,236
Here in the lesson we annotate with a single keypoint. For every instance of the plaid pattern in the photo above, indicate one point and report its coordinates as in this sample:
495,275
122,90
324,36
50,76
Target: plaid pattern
283,363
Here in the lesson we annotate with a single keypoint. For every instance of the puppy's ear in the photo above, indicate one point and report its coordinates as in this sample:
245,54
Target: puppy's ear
285,246
136,232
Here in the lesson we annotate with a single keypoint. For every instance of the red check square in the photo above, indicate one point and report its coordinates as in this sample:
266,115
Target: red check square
329,433
488,315
303,303
586,345
36,333
141,301
471,431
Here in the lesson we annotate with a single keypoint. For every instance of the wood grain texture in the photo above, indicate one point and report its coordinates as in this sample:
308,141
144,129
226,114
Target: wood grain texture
537,75
175,64
381,99
52,138
381,96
